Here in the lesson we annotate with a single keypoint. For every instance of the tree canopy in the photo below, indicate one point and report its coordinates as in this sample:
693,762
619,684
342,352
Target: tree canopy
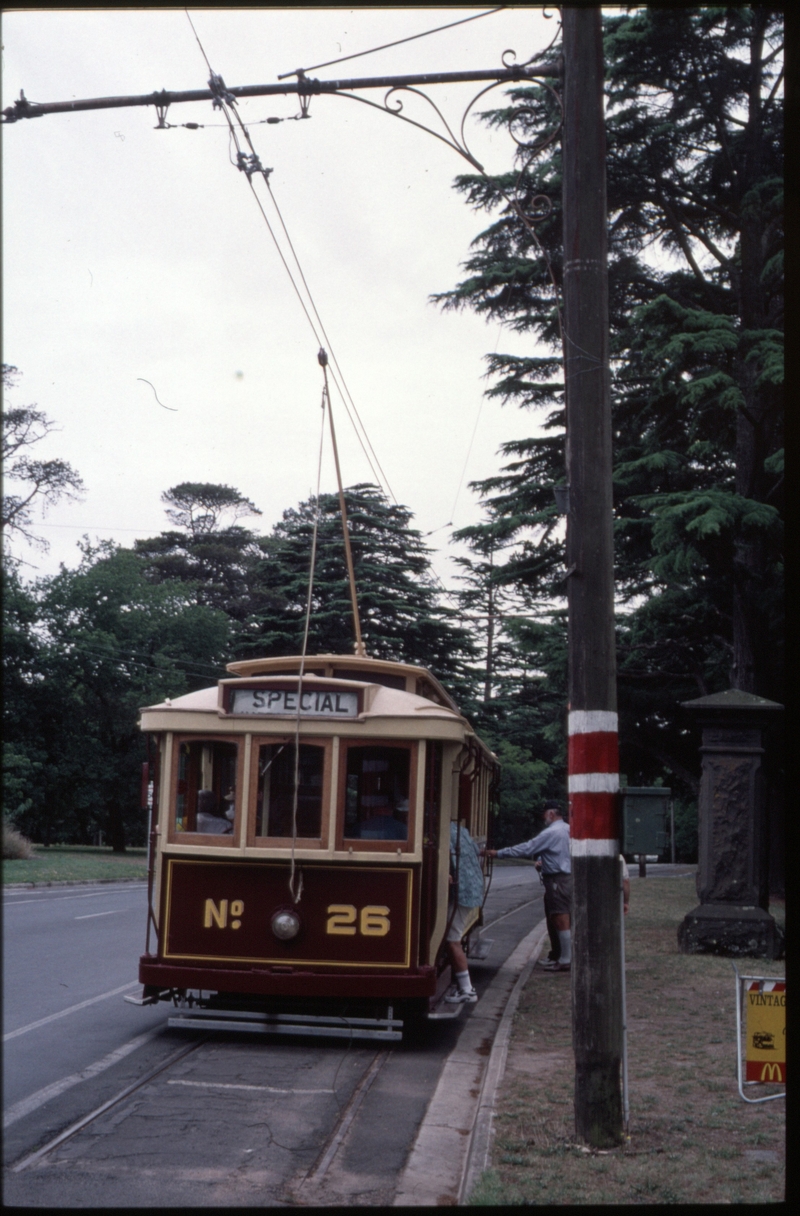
87,648
37,482
694,172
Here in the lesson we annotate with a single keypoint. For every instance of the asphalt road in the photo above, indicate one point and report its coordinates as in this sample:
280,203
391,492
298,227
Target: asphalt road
238,1120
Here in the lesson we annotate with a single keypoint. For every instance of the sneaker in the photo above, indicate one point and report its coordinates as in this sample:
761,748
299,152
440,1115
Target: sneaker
553,967
460,996
550,964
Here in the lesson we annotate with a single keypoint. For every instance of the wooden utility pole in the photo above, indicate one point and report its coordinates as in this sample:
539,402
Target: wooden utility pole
593,766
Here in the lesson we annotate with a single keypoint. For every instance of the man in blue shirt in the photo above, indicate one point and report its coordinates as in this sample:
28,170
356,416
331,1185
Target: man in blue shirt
550,850
466,878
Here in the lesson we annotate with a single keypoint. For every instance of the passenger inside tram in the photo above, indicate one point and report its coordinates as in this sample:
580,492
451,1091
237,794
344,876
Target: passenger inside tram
377,793
212,818
206,768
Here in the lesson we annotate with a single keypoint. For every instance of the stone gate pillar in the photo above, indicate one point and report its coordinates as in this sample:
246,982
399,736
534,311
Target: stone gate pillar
732,879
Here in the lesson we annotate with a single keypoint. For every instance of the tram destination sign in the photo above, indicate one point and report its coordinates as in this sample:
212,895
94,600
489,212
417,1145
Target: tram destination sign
283,702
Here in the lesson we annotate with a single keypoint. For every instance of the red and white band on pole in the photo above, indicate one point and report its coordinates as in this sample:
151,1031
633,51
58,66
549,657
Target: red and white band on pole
593,782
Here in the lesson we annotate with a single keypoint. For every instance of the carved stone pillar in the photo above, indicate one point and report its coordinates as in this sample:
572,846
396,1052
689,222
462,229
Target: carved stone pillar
732,878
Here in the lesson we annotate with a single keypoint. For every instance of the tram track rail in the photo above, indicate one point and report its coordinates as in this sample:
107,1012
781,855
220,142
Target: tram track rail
39,1154
325,1158
343,1134
345,1121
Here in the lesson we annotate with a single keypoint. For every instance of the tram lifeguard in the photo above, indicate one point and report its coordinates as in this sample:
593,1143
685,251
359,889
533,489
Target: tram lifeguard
385,762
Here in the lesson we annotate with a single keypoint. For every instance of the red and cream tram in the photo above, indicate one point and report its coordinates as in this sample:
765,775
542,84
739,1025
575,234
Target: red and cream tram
300,845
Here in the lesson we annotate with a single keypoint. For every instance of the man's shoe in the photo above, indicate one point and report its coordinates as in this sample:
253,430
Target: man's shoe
461,996
548,964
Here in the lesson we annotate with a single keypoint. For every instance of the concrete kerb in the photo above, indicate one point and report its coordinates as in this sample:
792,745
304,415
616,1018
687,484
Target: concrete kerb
454,1138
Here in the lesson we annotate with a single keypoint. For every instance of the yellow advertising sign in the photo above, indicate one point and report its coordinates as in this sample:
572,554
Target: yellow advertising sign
765,1035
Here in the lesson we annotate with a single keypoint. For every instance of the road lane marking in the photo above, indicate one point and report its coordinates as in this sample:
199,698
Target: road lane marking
91,915
53,1017
34,1101
10,902
270,1089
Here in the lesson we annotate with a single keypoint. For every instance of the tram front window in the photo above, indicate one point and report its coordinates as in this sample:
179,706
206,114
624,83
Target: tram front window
276,777
376,802
205,800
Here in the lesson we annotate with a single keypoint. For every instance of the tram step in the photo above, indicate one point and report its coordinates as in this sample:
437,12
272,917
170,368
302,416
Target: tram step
245,1021
444,1012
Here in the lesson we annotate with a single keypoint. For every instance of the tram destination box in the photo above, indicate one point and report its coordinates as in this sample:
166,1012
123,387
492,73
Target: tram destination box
284,701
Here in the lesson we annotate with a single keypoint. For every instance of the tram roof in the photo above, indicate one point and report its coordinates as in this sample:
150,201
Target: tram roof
386,703
399,689
358,668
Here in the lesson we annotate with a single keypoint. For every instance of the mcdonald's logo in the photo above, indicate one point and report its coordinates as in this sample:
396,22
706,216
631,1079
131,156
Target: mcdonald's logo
772,1072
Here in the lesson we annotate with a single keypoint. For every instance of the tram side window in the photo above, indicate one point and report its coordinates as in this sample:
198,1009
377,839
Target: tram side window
276,770
206,795
376,798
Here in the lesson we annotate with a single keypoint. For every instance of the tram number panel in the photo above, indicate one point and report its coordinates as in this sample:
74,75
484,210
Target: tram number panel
349,916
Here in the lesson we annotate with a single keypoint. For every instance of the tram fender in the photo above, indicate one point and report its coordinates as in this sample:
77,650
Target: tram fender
265,982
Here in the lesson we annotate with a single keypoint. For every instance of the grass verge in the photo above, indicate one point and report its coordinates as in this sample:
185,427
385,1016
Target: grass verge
692,1138
76,863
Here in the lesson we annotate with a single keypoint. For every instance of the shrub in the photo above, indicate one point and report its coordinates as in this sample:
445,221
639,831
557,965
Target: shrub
16,847
685,831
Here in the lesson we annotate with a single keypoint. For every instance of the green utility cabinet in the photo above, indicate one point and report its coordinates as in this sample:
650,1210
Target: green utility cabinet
646,820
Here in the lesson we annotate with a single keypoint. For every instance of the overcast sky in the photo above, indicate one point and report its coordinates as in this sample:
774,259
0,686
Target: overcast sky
133,255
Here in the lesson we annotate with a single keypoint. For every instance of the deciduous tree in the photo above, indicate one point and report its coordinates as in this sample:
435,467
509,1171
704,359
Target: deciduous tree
33,482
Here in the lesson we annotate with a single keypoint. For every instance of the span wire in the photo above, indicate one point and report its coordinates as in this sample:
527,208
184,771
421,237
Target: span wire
400,41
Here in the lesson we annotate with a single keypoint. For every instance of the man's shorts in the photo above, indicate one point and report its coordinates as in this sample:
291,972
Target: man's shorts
463,920
557,894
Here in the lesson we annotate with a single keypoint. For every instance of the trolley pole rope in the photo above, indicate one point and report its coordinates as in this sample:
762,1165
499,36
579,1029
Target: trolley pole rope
323,361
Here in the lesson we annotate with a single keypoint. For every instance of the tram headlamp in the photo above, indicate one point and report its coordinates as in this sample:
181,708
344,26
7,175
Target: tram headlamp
285,925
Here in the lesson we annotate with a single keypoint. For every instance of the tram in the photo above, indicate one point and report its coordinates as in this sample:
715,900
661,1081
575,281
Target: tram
300,867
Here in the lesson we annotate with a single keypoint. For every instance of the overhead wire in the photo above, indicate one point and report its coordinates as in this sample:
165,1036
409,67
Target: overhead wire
189,667
399,42
255,166
228,106
336,368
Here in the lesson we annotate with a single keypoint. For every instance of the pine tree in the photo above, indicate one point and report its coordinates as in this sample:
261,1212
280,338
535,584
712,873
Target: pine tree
401,617
211,552
694,133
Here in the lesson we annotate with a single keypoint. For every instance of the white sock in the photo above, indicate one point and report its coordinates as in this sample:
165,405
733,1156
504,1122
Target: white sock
463,981
565,937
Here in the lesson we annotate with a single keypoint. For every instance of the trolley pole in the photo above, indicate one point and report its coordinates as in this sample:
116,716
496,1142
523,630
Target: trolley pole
593,765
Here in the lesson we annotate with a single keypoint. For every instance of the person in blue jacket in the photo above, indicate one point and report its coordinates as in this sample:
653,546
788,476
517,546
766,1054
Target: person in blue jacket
466,877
